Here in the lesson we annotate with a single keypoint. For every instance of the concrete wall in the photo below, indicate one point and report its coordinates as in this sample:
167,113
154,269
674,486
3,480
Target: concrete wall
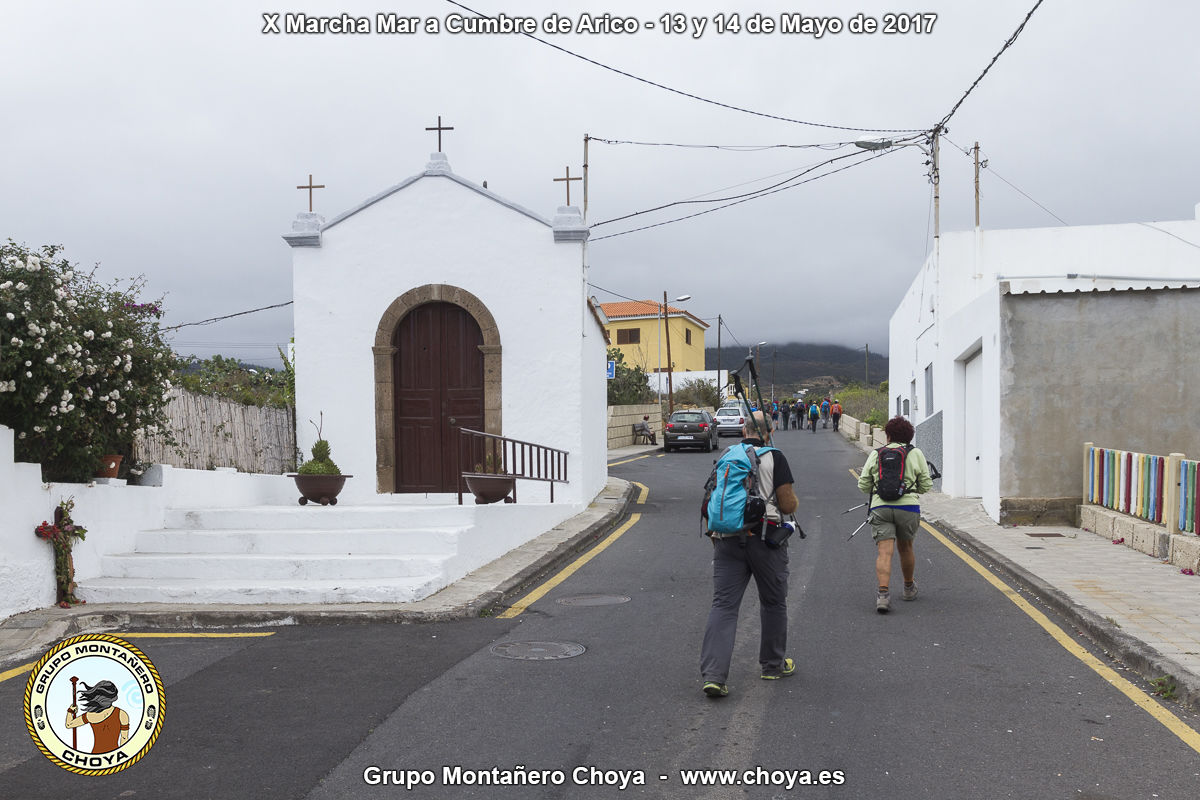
1111,367
438,229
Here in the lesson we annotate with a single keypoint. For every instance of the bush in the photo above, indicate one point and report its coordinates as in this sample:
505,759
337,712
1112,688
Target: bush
697,392
630,386
229,378
83,366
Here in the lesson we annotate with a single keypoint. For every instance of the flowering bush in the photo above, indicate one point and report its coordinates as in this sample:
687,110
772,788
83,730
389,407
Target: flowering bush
62,533
83,365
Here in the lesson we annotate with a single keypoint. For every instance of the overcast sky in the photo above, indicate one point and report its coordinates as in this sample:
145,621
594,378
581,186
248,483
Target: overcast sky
166,139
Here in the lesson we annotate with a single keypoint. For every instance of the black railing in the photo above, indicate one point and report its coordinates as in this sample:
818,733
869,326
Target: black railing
486,454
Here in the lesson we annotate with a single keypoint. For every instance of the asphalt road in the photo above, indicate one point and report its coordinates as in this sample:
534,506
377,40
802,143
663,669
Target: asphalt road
956,695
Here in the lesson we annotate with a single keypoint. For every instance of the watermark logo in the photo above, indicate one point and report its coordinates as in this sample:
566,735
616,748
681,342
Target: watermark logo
94,704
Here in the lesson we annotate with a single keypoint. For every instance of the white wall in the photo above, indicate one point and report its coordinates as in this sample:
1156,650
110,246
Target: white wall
435,230
952,309
112,514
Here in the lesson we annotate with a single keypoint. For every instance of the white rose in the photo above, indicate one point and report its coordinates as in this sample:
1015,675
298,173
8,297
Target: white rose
11,316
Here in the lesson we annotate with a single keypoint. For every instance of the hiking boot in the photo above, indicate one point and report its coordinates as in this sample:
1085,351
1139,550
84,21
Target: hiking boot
883,602
714,689
789,668
910,591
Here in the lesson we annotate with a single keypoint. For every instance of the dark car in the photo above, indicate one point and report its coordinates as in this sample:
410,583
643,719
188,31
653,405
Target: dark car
694,428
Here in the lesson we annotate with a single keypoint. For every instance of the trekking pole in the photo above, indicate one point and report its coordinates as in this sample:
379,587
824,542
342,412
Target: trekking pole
856,530
75,704
860,505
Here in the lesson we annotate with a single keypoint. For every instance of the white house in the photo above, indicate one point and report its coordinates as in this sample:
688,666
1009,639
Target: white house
438,305
1012,348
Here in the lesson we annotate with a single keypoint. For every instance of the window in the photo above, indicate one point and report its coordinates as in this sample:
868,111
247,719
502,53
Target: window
629,335
929,390
687,335
897,406
905,407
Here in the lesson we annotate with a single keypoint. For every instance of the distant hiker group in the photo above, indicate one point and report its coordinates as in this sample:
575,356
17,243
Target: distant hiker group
798,414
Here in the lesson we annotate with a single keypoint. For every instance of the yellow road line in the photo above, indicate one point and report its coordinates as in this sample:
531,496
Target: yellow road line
1172,723
627,461
541,591
15,671
21,670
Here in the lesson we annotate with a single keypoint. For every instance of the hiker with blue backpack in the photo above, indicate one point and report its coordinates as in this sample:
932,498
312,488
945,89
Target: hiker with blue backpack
894,476
747,498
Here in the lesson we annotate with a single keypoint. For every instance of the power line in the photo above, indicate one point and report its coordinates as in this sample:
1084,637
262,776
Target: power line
748,195
227,316
745,148
879,154
690,95
991,63
966,152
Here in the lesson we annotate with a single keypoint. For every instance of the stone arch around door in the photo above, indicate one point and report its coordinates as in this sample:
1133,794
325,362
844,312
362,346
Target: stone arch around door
384,351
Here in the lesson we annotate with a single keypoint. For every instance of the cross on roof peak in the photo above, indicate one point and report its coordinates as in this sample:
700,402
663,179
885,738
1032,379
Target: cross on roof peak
439,130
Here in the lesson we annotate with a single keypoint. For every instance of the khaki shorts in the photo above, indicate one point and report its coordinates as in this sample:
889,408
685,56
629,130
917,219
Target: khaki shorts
894,523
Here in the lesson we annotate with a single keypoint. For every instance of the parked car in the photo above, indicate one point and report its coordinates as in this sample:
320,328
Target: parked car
730,420
692,428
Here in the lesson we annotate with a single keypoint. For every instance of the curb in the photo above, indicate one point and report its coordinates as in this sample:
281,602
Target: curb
1132,652
46,626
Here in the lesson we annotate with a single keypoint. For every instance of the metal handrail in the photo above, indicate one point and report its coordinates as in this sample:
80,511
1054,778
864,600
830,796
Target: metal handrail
491,454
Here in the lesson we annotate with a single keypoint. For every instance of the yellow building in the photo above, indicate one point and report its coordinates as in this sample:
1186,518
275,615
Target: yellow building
636,328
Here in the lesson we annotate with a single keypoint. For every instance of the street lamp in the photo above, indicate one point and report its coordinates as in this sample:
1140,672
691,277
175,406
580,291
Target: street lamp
667,327
930,149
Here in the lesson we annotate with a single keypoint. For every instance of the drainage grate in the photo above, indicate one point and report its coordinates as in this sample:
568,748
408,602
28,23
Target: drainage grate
538,651
593,600
1046,535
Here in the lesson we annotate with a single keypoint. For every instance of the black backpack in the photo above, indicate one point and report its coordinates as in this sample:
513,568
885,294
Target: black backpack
889,475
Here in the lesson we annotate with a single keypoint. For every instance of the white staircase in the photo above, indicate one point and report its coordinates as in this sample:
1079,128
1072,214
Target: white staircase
287,555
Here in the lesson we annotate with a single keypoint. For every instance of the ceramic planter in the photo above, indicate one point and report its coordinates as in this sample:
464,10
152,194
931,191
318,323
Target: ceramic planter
491,488
322,489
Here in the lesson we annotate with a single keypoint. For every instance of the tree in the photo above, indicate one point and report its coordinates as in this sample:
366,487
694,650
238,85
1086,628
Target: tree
629,386
83,365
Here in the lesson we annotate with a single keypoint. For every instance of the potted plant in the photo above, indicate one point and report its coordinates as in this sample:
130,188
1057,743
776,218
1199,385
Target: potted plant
490,482
319,479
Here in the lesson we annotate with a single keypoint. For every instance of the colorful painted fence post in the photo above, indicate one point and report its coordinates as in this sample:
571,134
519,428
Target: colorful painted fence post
1160,489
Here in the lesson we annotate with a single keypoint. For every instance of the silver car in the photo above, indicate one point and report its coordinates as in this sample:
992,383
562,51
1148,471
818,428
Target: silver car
730,420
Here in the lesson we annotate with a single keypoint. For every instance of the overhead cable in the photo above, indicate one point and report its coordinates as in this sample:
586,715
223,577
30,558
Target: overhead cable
689,94
745,195
971,88
227,316
879,154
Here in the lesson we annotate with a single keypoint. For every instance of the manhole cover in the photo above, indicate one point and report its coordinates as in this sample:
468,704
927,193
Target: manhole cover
538,651
1046,535
593,600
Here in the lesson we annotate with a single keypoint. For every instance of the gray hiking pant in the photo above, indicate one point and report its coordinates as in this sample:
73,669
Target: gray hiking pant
733,566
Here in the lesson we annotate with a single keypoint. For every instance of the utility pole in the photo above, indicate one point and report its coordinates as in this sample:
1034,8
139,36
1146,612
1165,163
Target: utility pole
667,325
774,352
976,148
937,181
867,366
720,386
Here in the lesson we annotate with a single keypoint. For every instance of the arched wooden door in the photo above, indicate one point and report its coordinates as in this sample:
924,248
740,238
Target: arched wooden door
438,379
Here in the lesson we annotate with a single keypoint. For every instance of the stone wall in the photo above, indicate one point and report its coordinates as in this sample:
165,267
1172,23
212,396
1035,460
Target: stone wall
621,420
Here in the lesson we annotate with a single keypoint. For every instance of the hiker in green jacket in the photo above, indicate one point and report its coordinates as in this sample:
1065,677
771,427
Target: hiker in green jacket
894,523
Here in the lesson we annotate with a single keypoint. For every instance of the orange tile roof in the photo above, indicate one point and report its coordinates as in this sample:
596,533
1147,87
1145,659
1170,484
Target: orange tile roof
645,308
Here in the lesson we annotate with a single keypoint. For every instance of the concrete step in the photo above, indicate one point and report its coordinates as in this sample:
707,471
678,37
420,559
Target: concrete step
259,592
255,568
369,541
286,518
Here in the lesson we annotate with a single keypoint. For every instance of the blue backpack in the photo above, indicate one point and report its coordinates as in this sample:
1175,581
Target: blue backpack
733,502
